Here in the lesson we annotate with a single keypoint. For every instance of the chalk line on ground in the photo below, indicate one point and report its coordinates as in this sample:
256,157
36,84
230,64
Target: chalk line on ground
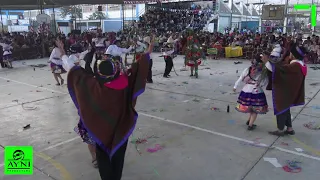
228,136
47,89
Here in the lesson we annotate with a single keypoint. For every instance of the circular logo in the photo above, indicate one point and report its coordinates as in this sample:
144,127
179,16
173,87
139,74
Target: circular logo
18,155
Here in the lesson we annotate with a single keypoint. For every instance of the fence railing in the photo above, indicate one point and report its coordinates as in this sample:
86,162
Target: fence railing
142,11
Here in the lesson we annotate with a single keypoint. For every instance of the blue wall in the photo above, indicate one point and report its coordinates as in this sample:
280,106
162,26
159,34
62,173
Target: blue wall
250,24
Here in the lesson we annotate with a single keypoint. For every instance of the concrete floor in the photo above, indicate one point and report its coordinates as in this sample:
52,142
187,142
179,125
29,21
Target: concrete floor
198,143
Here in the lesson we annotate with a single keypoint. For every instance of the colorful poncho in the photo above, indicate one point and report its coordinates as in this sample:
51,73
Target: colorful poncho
288,85
108,115
193,50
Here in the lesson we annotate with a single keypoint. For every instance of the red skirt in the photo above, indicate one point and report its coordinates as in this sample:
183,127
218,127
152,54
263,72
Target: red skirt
191,63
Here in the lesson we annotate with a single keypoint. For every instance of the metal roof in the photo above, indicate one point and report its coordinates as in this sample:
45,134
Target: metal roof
34,4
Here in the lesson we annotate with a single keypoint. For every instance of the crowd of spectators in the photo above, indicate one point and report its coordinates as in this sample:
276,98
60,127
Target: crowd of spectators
174,20
166,23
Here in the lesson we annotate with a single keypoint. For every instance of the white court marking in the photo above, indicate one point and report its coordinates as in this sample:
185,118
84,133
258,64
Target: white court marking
47,89
177,123
229,136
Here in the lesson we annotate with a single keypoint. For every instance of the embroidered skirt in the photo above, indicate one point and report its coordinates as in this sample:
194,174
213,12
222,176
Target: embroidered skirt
191,63
83,133
57,69
250,102
7,57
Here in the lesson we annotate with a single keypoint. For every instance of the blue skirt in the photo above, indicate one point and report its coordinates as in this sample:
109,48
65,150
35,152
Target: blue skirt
7,57
249,102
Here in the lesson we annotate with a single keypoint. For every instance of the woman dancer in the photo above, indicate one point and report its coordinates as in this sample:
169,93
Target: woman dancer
7,54
56,64
252,98
1,57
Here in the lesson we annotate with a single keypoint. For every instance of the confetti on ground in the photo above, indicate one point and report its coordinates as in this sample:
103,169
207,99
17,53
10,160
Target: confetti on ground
222,92
28,108
312,126
214,109
156,148
26,127
256,144
314,84
292,167
139,141
257,139
39,65
156,172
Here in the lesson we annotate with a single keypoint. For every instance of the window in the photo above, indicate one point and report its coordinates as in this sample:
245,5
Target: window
273,12
88,8
63,24
15,13
113,7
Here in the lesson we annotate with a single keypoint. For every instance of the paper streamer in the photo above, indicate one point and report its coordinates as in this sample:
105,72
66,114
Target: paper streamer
155,149
292,167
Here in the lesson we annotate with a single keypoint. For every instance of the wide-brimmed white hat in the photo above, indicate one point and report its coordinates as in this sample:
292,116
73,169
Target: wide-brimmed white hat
170,40
147,39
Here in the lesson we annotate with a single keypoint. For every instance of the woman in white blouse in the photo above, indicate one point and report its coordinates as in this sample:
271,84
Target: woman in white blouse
252,99
56,64
7,54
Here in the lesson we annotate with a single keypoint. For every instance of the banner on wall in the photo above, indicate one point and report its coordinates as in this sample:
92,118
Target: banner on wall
18,28
20,22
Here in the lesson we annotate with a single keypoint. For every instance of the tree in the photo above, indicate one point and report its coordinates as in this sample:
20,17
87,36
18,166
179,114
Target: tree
73,11
97,15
